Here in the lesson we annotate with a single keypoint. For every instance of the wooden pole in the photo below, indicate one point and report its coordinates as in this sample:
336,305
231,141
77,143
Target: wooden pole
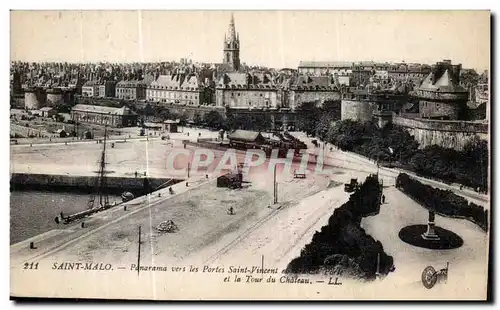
139,252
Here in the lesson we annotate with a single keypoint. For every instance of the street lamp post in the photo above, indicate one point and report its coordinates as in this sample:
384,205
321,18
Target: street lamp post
275,187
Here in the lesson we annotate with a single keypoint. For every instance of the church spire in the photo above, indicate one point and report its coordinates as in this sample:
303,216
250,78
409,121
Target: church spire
231,30
232,47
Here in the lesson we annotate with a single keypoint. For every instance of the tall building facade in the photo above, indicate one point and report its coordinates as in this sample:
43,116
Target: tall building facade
231,59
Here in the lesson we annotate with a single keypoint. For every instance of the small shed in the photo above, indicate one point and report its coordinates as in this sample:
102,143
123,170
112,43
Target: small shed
153,126
87,135
61,133
230,180
171,126
36,112
47,112
246,136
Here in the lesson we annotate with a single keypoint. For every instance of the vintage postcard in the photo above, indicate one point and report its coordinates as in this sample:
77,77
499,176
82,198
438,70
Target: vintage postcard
256,155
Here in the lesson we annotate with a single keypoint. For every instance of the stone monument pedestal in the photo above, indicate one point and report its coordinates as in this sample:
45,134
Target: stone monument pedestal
430,234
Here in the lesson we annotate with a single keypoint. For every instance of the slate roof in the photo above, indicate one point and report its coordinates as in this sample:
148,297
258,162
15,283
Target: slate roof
245,135
441,83
253,80
90,83
166,82
325,64
318,83
132,83
102,109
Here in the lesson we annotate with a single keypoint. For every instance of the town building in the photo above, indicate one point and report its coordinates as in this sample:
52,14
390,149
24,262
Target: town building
361,73
107,89
115,117
481,94
305,88
403,72
182,89
417,73
131,89
171,126
48,112
247,91
341,70
90,89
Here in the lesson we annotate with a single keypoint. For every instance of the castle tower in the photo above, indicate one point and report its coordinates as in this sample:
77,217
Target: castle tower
232,48
440,95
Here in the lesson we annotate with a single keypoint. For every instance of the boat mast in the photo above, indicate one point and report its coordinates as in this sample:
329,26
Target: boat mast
102,174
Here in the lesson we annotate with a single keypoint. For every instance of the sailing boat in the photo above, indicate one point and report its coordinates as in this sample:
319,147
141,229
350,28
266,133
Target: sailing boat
100,192
101,181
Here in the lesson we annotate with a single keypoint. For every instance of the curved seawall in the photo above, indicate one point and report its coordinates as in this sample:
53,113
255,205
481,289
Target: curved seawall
55,182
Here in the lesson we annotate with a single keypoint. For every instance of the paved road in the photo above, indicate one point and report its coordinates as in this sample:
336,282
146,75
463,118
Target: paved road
348,159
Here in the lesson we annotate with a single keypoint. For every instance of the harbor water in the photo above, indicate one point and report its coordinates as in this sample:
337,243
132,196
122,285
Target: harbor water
33,212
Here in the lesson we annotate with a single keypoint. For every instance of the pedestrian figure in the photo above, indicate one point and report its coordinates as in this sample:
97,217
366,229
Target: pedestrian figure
136,174
383,198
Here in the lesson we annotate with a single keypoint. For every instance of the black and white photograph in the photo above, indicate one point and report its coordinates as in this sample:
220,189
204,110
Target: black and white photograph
250,154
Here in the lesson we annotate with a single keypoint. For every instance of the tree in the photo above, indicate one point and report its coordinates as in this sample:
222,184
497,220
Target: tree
163,113
307,117
183,119
469,77
214,120
261,122
197,119
62,107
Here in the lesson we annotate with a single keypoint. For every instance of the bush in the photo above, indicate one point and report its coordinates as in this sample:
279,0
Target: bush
343,244
443,202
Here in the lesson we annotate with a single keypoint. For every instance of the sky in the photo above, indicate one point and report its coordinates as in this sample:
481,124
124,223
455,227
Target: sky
279,39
